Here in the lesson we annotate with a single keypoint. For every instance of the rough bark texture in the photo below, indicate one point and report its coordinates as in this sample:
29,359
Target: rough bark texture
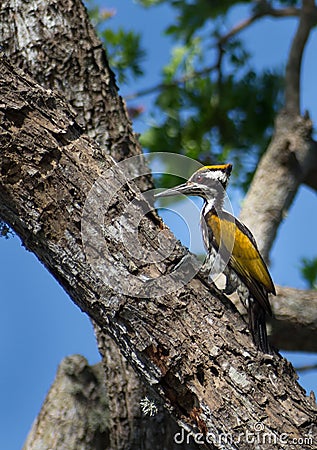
56,43
130,428
63,422
78,411
80,76
292,153
191,347
295,312
290,157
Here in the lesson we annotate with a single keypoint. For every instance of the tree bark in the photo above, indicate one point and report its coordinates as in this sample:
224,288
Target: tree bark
78,411
130,428
291,158
80,76
83,77
295,312
56,43
70,60
65,409
191,346
288,161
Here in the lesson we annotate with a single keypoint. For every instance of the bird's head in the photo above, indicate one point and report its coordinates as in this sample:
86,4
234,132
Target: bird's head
209,182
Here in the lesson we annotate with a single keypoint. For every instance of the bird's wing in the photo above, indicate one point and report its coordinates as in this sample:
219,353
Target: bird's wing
231,236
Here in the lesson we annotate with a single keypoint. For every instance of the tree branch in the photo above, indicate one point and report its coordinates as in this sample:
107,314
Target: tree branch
77,388
265,11
291,154
130,428
294,326
79,405
80,75
308,19
72,62
181,80
295,313
192,347
112,148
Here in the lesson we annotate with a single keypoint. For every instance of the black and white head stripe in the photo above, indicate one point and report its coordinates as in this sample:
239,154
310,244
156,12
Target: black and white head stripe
209,182
219,173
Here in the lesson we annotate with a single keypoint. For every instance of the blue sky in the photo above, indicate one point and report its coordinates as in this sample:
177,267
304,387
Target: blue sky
39,324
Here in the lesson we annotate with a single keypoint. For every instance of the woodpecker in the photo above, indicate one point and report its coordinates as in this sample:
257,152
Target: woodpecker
230,240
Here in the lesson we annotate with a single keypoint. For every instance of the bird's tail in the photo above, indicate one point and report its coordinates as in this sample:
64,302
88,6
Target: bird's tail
257,326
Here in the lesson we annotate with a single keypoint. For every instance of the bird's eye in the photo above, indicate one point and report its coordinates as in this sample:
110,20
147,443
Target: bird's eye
198,178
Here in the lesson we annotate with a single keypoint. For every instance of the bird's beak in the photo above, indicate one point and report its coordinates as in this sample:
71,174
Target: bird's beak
184,189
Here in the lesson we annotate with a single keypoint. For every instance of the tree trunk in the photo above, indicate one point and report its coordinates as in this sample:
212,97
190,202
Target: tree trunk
78,411
80,76
63,422
291,158
83,77
183,338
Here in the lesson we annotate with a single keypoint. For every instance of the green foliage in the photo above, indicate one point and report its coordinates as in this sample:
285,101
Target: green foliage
149,3
309,271
194,15
124,52
212,119
212,104
213,112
